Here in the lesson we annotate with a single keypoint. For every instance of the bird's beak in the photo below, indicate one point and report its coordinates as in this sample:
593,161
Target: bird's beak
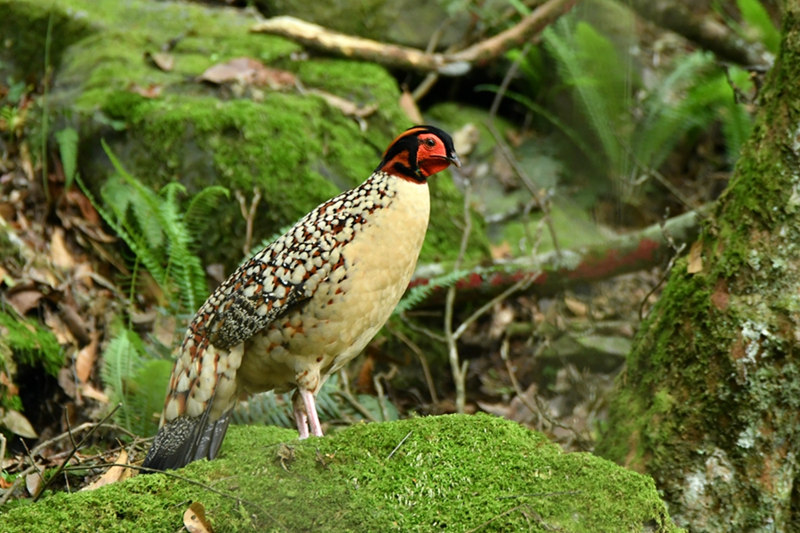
453,158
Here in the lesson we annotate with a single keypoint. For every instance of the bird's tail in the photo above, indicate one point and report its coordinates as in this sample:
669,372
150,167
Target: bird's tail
186,439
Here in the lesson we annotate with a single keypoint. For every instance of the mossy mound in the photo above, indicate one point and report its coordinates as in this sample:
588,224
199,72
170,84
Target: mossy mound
166,125
457,472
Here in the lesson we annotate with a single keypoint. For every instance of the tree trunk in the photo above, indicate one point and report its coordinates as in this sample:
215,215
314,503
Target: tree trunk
709,404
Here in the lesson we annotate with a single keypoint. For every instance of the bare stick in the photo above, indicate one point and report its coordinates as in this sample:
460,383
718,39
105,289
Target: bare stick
450,64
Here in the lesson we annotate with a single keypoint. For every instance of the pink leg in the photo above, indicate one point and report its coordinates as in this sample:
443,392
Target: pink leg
311,410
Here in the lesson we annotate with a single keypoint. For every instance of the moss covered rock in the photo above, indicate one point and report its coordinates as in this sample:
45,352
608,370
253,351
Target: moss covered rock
165,124
457,472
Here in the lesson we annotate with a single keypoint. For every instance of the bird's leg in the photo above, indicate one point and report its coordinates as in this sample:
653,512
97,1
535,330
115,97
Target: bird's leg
304,407
300,417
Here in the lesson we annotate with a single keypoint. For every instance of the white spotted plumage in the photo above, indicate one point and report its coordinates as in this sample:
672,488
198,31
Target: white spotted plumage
303,306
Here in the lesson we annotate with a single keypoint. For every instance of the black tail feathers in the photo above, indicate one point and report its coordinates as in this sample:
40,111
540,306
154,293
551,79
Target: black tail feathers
186,439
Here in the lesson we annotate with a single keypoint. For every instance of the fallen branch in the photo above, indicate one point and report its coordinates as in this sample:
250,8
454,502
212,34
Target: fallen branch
703,31
396,56
629,253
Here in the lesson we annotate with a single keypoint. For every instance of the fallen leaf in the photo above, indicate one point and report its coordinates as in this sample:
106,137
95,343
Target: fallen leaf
24,300
84,361
89,391
248,71
66,380
16,422
409,107
57,326
149,91
195,519
33,482
577,307
113,474
695,258
59,254
162,60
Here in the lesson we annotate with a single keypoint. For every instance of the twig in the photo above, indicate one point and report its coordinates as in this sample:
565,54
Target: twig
449,64
376,380
705,31
347,395
74,451
249,214
458,369
423,361
398,445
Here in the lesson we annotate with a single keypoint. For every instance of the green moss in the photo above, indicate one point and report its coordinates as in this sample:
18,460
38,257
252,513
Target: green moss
455,472
30,344
23,25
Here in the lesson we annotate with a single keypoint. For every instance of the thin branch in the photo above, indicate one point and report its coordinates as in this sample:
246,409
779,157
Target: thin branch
395,56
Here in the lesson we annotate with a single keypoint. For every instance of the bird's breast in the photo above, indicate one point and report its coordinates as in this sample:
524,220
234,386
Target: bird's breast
353,302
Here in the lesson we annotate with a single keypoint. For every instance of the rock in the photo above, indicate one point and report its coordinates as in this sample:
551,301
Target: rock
128,72
458,472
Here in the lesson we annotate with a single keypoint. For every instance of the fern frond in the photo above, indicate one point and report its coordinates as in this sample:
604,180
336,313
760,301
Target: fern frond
67,140
418,294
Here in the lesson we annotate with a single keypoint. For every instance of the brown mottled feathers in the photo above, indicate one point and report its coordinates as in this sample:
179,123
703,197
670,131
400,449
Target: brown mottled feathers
303,306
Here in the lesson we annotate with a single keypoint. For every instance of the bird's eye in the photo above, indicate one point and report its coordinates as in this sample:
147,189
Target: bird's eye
430,143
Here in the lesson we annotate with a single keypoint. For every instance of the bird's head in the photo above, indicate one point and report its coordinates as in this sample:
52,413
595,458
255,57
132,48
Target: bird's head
419,152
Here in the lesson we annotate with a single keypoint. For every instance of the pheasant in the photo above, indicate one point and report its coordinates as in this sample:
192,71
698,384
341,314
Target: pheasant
303,306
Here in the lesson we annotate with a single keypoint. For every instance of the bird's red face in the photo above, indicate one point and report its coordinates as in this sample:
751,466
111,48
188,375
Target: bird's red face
419,152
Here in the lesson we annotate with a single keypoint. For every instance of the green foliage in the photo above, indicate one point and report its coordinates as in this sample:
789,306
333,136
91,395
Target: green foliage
29,344
622,139
24,342
416,295
137,382
758,25
159,234
153,227
67,140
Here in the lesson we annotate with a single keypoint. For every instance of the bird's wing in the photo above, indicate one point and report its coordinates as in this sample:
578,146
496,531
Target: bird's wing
274,281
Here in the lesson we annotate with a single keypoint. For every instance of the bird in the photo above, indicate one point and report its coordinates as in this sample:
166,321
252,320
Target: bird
301,308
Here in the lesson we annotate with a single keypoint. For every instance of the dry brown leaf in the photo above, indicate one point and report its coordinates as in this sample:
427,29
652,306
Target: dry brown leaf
577,307
89,391
248,71
162,60
195,519
84,361
695,258
59,254
66,380
113,474
409,107
33,482
16,423
149,91
58,327
24,300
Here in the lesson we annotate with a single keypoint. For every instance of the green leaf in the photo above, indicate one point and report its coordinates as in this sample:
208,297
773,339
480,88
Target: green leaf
67,140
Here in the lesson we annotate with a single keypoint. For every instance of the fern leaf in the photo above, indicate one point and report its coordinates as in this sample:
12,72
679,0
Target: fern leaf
67,140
